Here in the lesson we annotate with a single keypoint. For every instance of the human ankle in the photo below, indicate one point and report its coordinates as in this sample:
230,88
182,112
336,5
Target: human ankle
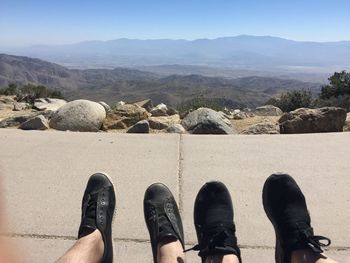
95,241
171,251
222,259
307,255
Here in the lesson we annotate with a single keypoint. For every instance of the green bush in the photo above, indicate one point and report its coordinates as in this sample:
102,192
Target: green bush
339,85
30,92
193,104
292,100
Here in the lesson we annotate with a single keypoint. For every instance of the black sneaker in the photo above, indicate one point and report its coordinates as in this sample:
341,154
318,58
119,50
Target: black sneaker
213,219
162,217
98,212
285,206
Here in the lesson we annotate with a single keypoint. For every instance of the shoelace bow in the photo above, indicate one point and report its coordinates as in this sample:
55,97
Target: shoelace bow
312,241
217,240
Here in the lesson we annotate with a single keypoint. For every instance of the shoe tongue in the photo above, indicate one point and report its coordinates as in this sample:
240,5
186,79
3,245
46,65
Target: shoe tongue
89,224
166,231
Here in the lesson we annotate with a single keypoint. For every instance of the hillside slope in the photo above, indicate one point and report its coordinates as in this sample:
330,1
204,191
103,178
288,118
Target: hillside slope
129,84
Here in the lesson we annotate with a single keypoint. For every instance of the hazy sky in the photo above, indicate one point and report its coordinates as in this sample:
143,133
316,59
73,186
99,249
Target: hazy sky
25,22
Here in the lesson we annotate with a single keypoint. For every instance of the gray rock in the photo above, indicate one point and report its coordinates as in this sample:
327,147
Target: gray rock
157,124
14,121
140,127
159,110
105,105
262,128
268,110
18,106
43,104
120,103
207,121
125,116
303,120
37,123
171,111
176,128
146,104
79,115
163,122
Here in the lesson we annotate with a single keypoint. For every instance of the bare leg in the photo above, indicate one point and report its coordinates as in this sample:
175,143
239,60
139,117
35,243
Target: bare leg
88,249
307,256
222,259
171,253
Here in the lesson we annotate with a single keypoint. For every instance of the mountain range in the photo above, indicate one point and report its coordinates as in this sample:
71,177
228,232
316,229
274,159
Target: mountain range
112,85
240,52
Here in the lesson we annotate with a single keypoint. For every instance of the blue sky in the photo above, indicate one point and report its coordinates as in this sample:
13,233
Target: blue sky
26,22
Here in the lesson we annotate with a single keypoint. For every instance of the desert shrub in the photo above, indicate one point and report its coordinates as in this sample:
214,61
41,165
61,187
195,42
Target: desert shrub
30,92
196,103
337,93
292,100
342,101
339,85
11,89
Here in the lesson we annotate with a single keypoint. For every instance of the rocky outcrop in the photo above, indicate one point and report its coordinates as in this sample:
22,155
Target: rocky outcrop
124,116
268,110
262,128
140,127
37,123
303,120
176,128
207,121
44,104
79,115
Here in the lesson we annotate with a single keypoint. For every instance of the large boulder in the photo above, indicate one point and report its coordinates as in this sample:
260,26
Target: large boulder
79,115
44,104
140,127
207,121
262,128
124,116
268,110
37,123
304,120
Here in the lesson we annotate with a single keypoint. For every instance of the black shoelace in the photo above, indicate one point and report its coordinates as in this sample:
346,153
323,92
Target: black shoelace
312,241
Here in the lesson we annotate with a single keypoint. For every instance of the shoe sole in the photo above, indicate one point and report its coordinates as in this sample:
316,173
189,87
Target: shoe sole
115,208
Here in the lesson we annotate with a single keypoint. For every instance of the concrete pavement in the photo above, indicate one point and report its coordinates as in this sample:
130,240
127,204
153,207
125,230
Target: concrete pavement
46,172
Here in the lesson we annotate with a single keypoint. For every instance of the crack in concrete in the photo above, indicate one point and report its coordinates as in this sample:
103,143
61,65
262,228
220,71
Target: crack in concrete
179,174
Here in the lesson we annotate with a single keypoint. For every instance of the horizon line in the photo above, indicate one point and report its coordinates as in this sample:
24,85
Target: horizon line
174,39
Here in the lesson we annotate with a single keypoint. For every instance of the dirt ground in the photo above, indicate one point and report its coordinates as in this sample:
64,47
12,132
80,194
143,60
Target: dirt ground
240,125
